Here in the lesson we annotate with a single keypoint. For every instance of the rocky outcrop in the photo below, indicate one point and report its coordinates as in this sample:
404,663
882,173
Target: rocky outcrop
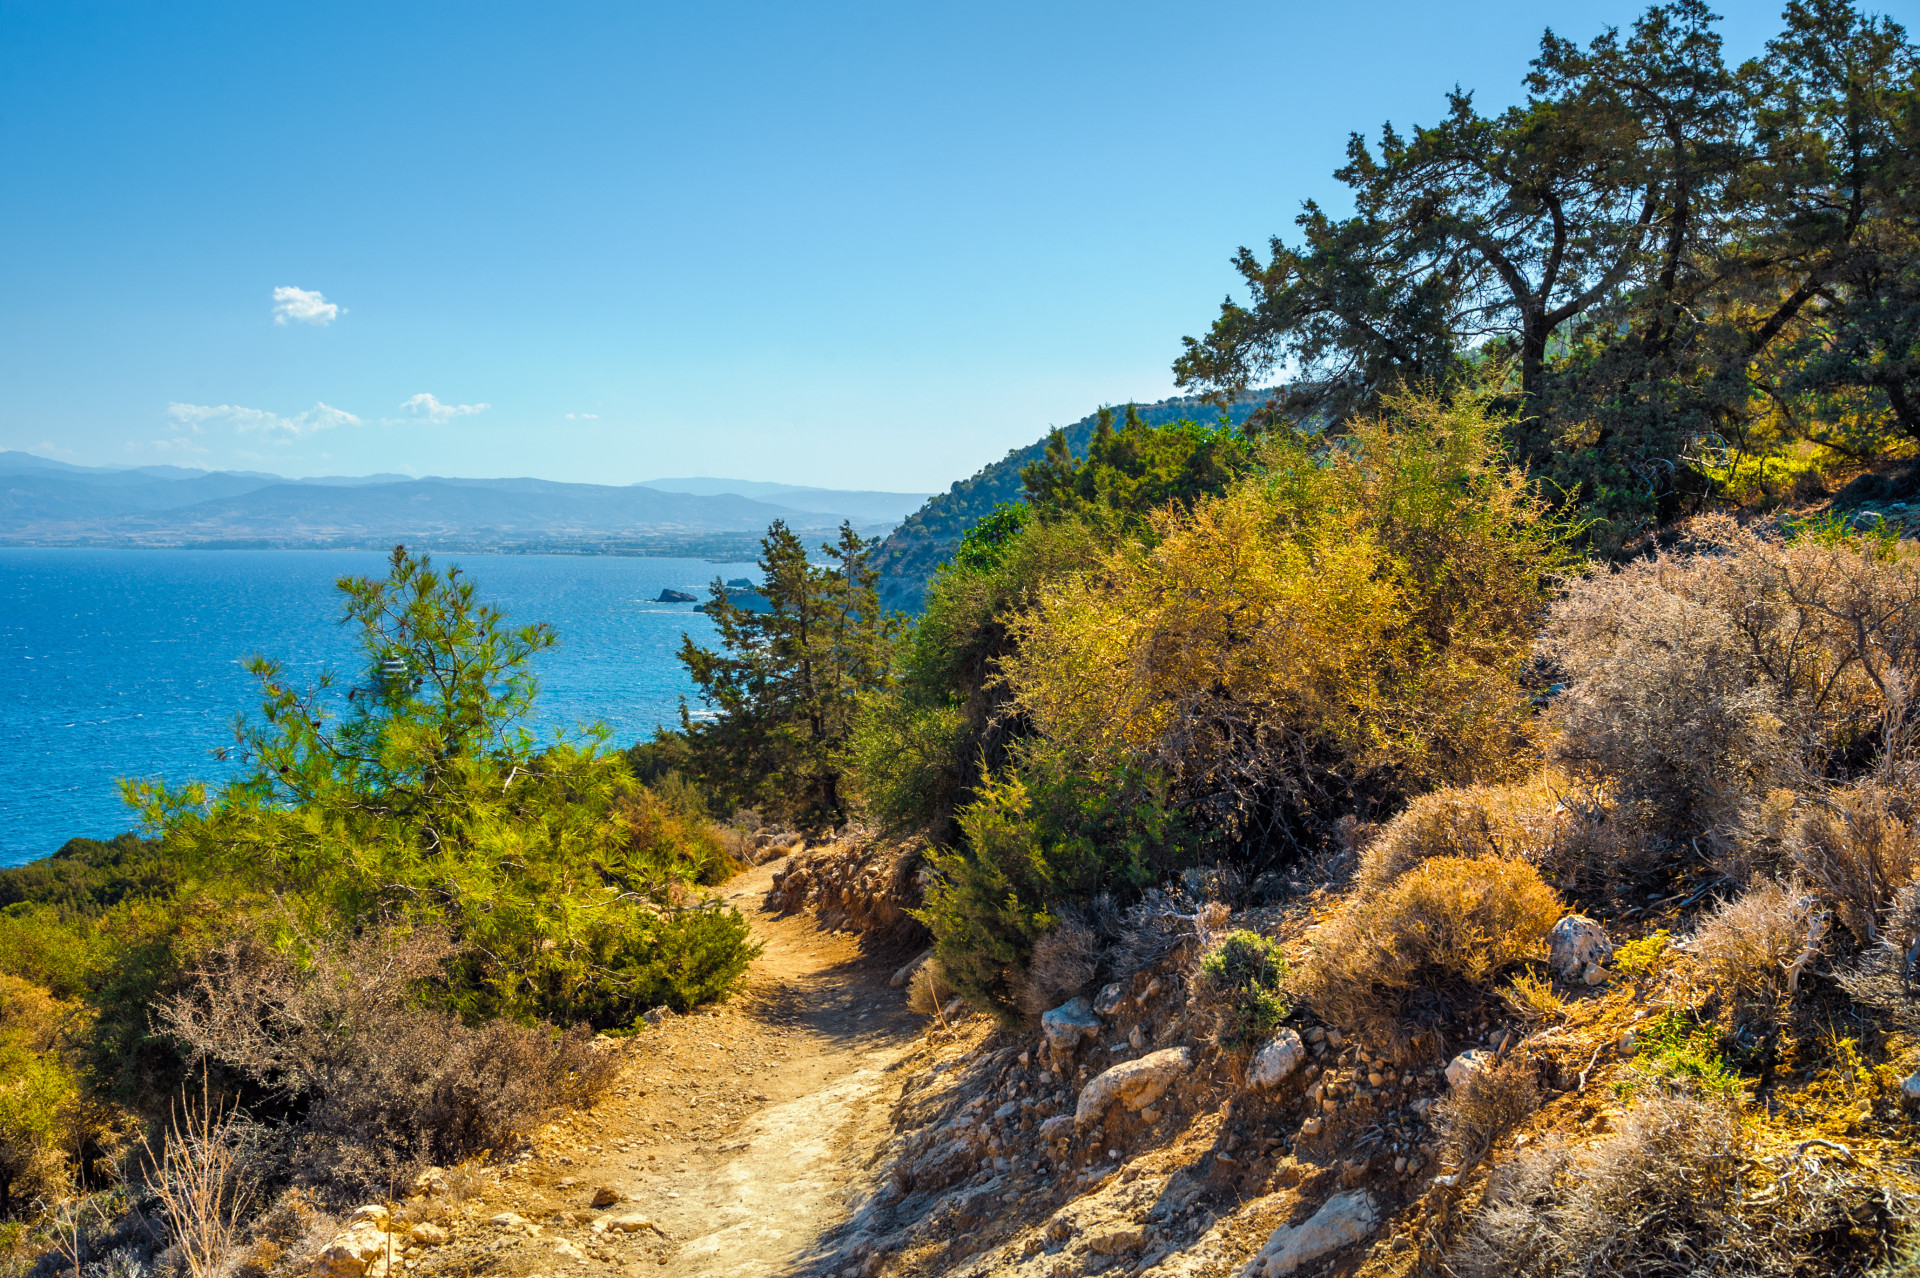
859,885
1342,1219
1136,1084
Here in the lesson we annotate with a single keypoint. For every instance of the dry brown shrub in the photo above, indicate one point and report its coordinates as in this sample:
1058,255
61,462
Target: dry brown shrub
1479,1113
1398,964
1065,963
1754,947
929,992
1669,1194
1858,849
1698,680
1573,832
382,1085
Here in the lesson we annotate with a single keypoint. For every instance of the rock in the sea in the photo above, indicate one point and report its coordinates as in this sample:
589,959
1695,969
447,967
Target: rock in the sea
1575,943
1273,1063
1068,1023
1466,1065
675,596
1342,1219
1137,1084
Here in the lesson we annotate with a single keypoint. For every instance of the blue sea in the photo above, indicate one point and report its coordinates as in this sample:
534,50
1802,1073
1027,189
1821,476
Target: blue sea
128,663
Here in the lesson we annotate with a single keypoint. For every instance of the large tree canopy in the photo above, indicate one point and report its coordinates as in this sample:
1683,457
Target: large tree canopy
1661,247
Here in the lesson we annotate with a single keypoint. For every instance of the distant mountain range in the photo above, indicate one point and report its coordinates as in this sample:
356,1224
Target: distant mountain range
928,537
50,503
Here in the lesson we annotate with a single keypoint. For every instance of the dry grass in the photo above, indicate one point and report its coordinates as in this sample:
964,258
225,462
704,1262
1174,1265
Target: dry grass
200,1176
1523,821
1678,1191
1755,946
1858,849
1065,963
929,991
1397,965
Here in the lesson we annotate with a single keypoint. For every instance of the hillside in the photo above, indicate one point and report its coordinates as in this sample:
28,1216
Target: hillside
927,538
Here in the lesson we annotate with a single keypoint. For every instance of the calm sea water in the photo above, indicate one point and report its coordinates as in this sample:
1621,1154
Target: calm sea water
118,663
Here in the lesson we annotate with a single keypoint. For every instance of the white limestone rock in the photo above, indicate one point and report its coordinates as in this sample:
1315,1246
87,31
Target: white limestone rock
1276,1061
1343,1219
1137,1084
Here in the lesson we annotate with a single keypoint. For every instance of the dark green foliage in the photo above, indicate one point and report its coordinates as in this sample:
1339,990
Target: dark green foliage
1662,249
929,537
785,686
920,746
1243,973
1129,473
86,876
1039,837
661,755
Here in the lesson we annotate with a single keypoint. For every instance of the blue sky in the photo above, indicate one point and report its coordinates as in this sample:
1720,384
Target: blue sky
834,244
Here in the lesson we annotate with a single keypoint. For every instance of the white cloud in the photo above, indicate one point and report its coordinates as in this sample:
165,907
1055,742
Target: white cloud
583,417
178,444
243,420
47,448
291,303
426,406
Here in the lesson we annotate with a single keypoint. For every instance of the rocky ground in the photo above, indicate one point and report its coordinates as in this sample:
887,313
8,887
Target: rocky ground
816,1127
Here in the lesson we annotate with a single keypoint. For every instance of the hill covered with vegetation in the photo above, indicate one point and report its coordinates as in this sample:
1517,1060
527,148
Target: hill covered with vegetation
907,557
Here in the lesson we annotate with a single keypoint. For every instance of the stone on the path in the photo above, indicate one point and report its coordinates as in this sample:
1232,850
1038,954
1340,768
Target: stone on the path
656,1015
605,1196
1342,1219
1112,998
1137,1084
1910,1087
631,1223
1273,1063
1059,1127
1575,944
372,1214
1115,1240
508,1220
1067,1024
564,1248
1466,1065
428,1235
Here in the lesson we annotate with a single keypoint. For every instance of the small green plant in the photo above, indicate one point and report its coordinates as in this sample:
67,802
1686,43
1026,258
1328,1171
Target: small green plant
1244,972
1639,958
1675,1048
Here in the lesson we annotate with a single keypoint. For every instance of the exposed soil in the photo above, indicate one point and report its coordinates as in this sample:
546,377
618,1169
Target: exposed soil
745,1135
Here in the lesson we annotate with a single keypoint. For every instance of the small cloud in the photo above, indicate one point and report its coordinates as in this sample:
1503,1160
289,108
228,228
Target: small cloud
426,407
291,303
47,448
179,444
583,417
244,420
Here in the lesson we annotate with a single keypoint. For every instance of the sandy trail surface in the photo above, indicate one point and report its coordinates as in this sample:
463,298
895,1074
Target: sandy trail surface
745,1135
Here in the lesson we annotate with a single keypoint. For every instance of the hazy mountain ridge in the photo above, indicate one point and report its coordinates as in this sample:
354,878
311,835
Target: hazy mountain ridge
49,503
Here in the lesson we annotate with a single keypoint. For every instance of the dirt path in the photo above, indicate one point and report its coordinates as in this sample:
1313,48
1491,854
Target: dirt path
745,1134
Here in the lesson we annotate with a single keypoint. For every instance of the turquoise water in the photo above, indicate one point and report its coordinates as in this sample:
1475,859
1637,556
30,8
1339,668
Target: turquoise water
121,663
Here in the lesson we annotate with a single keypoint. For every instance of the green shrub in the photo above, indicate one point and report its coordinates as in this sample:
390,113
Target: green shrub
1243,973
1036,839
1675,1049
568,886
